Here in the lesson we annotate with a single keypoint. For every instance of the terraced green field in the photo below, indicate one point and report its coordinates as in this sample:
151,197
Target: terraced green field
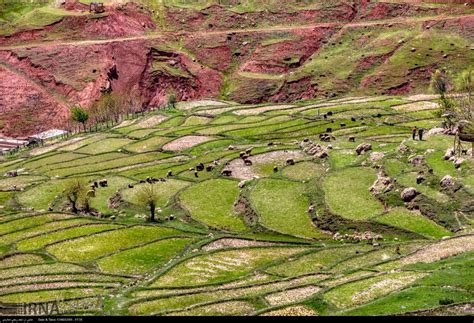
287,232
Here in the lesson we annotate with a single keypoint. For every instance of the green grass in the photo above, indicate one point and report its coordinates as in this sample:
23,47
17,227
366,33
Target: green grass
409,180
347,193
412,299
101,200
29,222
43,229
21,260
222,266
103,146
52,295
303,171
211,202
40,196
71,233
20,182
165,192
54,268
139,260
414,222
147,145
363,291
95,246
316,261
282,206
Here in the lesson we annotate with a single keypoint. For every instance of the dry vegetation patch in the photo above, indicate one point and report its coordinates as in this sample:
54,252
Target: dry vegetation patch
443,249
298,310
236,243
292,295
186,142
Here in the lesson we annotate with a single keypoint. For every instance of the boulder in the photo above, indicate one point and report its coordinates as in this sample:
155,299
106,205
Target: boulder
226,172
200,167
447,182
382,184
409,194
458,162
375,156
435,131
417,160
362,148
449,153
12,173
403,148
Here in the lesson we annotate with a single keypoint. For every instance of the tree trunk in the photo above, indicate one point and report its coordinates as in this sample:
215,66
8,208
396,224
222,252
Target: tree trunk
152,212
74,207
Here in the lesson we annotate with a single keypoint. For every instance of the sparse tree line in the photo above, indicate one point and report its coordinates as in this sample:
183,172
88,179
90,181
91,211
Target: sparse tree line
109,110
457,105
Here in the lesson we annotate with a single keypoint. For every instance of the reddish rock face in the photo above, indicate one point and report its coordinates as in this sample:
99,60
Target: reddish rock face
25,107
55,78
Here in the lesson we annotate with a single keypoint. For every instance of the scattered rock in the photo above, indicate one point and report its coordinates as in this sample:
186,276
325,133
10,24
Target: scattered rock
447,182
12,173
417,160
375,156
403,148
458,162
435,131
226,172
362,148
449,153
409,194
383,184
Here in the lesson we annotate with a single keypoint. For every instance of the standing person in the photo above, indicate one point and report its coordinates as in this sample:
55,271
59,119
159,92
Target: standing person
413,132
420,133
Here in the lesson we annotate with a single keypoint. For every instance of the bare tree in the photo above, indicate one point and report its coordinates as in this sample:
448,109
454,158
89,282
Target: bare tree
75,191
147,196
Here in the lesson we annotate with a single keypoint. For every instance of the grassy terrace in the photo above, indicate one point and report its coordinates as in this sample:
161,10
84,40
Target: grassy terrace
258,241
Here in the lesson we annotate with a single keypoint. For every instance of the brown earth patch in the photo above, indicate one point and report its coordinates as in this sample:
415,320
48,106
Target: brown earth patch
298,310
239,170
237,243
186,142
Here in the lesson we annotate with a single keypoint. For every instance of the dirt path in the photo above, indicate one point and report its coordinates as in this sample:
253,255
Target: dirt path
157,35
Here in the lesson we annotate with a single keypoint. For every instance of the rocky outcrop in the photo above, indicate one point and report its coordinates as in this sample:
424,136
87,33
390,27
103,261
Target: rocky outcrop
362,148
447,182
408,194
